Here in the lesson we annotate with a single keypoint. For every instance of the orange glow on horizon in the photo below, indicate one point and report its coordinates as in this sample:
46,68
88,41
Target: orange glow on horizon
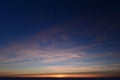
66,75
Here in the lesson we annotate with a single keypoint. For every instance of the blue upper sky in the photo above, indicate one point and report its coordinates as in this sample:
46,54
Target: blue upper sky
74,36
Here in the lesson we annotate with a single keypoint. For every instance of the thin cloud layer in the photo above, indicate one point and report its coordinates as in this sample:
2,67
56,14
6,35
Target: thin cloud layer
57,46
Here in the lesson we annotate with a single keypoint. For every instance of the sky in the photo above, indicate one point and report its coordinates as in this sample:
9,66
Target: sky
59,37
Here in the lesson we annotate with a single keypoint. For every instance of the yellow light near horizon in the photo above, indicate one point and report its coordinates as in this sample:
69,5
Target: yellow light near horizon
60,75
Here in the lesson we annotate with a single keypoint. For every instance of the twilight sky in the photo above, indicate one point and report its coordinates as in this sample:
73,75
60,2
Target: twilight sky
59,36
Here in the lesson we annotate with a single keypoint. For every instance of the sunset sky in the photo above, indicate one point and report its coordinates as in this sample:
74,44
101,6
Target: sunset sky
80,37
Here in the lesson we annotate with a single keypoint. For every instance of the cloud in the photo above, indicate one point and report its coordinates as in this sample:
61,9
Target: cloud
56,57
29,51
21,52
115,65
61,48
53,46
26,52
44,46
66,68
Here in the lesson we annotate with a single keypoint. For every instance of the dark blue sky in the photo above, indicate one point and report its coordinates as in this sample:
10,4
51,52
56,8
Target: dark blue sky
33,31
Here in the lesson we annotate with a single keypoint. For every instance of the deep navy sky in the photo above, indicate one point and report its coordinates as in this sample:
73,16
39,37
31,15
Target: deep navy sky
42,31
22,17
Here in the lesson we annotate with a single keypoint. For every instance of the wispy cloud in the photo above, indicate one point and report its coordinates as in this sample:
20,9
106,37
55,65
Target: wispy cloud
54,46
56,57
91,69
26,52
34,48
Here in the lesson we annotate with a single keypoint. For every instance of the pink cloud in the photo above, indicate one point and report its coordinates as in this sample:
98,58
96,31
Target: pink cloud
25,52
74,69
59,57
67,68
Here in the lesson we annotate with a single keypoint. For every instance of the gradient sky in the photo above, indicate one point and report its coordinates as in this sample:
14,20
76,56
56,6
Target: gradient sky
59,36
